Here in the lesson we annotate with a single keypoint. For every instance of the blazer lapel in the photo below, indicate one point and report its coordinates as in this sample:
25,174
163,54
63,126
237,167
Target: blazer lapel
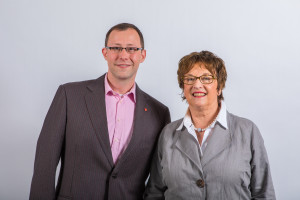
188,146
95,101
139,122
219,140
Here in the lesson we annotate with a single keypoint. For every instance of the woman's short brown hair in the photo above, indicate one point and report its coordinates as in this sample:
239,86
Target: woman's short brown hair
212,63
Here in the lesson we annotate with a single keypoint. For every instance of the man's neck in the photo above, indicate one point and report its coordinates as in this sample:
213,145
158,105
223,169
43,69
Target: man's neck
120,86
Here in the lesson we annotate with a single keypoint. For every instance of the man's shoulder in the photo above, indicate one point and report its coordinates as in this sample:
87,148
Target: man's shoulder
79,85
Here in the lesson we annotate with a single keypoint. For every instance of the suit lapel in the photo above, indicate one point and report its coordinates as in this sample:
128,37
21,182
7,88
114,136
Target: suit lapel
188,146
219,140
140,119
95,101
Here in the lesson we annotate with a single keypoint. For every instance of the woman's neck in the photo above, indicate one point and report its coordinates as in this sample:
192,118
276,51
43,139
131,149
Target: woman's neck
202,117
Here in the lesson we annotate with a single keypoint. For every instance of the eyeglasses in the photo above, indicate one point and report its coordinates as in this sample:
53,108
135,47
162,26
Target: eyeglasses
130,50
204,79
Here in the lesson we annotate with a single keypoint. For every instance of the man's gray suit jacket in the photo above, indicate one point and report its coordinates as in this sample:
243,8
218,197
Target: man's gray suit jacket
75,131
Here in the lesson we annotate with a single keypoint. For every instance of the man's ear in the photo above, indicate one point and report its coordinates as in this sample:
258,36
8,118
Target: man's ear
143,55
104,53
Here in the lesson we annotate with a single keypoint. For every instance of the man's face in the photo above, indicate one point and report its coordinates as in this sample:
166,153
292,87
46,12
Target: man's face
123,66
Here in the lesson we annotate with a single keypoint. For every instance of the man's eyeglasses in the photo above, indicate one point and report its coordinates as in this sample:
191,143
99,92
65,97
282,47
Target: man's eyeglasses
204,79
130,50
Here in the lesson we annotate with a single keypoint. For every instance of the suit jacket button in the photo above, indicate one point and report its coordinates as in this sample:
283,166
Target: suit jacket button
200,183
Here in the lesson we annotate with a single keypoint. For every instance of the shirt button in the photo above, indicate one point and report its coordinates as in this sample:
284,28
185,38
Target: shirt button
200,183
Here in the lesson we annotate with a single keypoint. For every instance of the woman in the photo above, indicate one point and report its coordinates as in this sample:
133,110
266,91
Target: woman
210,153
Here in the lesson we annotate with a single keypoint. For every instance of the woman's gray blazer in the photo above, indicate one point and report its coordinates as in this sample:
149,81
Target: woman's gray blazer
234,164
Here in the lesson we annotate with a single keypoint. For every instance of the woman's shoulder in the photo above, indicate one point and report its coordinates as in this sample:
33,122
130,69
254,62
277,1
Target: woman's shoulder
170,129
237,121
245,127
174,125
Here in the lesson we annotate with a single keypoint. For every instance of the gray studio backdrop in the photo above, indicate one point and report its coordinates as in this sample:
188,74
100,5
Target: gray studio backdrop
47,43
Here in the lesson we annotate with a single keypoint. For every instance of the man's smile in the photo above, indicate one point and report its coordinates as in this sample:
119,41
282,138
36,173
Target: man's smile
123,65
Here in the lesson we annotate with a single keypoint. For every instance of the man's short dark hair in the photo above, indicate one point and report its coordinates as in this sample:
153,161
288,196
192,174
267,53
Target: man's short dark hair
124,27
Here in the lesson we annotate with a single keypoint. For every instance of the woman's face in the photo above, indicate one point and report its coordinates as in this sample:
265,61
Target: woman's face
201,95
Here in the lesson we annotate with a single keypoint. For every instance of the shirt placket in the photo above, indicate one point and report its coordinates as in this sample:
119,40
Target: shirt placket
119,120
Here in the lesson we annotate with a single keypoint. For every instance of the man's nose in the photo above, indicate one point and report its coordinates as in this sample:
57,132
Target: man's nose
123,53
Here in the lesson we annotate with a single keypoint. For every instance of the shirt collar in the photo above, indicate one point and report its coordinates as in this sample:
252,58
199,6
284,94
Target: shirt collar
221,118
187,122
108,90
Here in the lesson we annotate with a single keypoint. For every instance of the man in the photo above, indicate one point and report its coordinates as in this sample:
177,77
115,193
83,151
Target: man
104,131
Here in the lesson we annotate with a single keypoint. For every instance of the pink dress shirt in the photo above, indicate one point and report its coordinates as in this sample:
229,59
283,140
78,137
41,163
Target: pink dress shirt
120,114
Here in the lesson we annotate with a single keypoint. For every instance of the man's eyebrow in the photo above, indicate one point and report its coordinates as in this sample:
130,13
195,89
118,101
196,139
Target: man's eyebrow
118,44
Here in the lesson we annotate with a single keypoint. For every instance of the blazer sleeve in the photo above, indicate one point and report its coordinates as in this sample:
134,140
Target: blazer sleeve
48,150
261,184
167,117
155,187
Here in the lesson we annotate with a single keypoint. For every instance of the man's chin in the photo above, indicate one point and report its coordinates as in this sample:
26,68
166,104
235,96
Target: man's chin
124,77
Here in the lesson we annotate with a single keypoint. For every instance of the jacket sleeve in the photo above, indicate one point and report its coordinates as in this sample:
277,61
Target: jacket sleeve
167,117
155,187
48,150
261,184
